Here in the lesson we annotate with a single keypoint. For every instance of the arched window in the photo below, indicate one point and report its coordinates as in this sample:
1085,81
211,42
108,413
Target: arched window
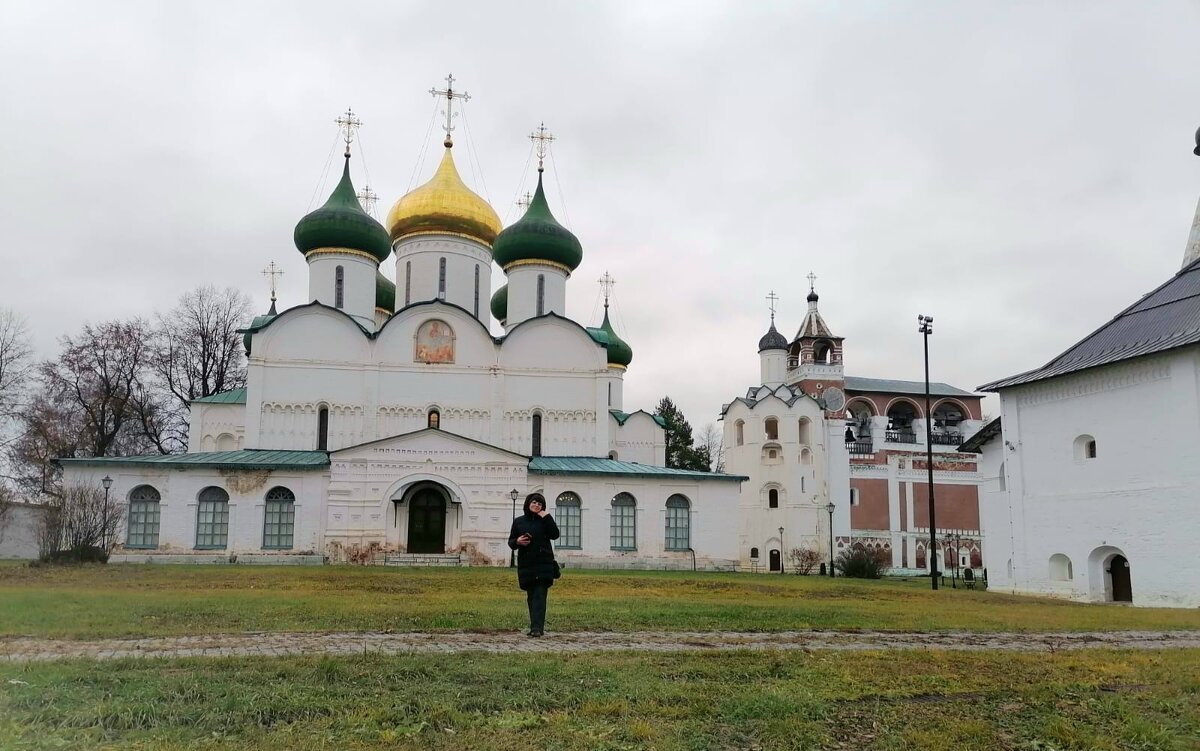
900,423
739,430
623,524
323,428
407,283
1001,478
339,288
823,353
1060,568
805,425
805,457
143,517
773,498
441,278
433,419
536,449
567,513
772,428
476,290
541,294
1085,448
754,554
212,519
279,521
679,527
612,455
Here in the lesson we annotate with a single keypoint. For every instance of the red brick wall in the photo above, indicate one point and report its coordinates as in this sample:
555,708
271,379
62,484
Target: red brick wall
957,506
872,509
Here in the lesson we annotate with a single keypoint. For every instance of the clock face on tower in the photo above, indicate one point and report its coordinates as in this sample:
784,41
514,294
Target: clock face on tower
834,398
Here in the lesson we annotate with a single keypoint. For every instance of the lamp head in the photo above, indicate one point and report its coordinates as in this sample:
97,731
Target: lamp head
781,531
106,482
830,507
514,494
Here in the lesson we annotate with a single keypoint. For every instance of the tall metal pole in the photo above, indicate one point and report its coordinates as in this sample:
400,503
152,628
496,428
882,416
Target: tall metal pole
512,554
927,329
829,508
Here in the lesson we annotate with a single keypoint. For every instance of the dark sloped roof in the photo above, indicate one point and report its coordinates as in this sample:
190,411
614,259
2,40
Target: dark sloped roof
889,386
975,443
1166,318
240,459
588,465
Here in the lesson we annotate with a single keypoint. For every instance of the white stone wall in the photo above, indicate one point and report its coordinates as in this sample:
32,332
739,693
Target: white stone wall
1137,497
358,284
216,427
522,292
19,534
421,282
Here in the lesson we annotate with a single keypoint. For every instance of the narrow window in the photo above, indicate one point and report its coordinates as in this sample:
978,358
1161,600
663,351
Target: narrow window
212,519
541,294
280,520
407,283
1090,450
323,429
476,290
623,527
772,426
143,517
804,426
567,514
773,498
339,288
739,429
537,434
442,279
433,419
679,527
610,393
853,496
1085,448
801,484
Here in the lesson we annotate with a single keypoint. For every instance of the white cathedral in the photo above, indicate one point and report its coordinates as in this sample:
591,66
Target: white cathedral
385,419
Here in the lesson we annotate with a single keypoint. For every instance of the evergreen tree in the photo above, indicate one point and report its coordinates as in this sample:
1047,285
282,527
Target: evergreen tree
681,450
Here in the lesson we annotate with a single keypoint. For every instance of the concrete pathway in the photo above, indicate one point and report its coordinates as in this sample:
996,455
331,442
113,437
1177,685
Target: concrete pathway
278,644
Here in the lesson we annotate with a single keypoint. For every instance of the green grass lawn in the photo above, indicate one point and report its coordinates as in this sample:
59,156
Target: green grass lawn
926,701
101,601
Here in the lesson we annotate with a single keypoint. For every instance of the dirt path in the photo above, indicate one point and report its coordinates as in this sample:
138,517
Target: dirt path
277,644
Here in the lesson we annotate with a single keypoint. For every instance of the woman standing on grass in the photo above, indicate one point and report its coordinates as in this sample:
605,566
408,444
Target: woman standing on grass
530,536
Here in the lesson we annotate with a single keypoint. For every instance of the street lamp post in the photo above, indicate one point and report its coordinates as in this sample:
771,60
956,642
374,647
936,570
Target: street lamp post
925,326
781,549
512,556
829,507
107,483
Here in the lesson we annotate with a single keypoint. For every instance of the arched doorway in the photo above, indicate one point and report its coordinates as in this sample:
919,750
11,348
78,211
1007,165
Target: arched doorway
427,521
775,560
1118,571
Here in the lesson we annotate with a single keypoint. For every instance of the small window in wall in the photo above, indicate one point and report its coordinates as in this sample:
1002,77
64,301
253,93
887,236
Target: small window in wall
773,498
476,290
623,527
143,517
754,554
739,430
612,455
279,521
323,429
442,279
339,288
434,419
537,434
212,518
805,425
805,457
1060,568
772,428
407,283
610,393
678,530
853,496
1085,448
801,484
541,294
772,454
1001,478
567,514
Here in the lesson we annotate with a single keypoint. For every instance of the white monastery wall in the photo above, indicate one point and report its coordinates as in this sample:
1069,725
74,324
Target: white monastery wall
216,427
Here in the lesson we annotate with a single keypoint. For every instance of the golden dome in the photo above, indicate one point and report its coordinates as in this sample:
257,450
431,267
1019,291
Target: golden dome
444,205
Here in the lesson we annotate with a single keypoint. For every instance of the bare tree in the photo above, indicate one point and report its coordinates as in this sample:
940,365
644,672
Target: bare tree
16,362
79,520
804,560
196,352
712,448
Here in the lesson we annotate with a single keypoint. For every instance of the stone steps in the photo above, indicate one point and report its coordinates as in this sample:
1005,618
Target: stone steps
418,559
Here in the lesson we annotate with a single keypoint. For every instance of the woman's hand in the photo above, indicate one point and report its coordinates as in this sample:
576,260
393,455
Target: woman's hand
524,539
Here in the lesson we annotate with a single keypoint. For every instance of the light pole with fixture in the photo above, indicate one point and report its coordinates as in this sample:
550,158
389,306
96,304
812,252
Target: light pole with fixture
107,483
781,549
925,326
512,556
829,507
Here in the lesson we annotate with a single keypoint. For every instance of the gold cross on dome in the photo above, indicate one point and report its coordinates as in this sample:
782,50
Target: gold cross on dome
606,285
541,139
270,272
450,95
367,198
772,298
812,282
349,124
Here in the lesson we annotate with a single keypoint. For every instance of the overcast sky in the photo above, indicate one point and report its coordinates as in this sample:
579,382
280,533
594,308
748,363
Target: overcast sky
1019,170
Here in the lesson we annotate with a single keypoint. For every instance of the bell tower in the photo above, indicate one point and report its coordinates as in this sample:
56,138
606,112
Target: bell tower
814,361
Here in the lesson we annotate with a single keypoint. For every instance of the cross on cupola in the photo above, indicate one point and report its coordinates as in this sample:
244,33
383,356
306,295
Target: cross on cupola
349,124
367,198
812,282
606,285
271,272
772,298
524,201
449,112
541,142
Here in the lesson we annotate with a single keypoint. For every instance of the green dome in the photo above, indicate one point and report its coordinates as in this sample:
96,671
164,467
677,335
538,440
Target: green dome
342,223
537,236
385,293
500,304
258,322
619,353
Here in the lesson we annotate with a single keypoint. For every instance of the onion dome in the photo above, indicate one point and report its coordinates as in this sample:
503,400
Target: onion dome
342,223
538,236
619,353
385,293
772,340
500,304
444,206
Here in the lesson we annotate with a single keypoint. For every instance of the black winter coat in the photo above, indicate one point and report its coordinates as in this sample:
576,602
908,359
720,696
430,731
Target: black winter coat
536,560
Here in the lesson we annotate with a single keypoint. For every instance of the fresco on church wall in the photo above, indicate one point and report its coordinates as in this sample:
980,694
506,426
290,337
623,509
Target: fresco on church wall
434,343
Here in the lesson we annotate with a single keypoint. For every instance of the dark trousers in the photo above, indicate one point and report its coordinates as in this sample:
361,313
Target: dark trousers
535,596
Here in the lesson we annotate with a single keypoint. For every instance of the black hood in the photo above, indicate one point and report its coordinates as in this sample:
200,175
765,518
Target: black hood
530,499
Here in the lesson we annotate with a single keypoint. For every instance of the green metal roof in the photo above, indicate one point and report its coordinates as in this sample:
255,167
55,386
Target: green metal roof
241,459
889,386
588,465
232,396
621,417
537,236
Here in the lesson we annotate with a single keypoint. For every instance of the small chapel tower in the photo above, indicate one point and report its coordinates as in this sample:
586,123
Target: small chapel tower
814,361
773,351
